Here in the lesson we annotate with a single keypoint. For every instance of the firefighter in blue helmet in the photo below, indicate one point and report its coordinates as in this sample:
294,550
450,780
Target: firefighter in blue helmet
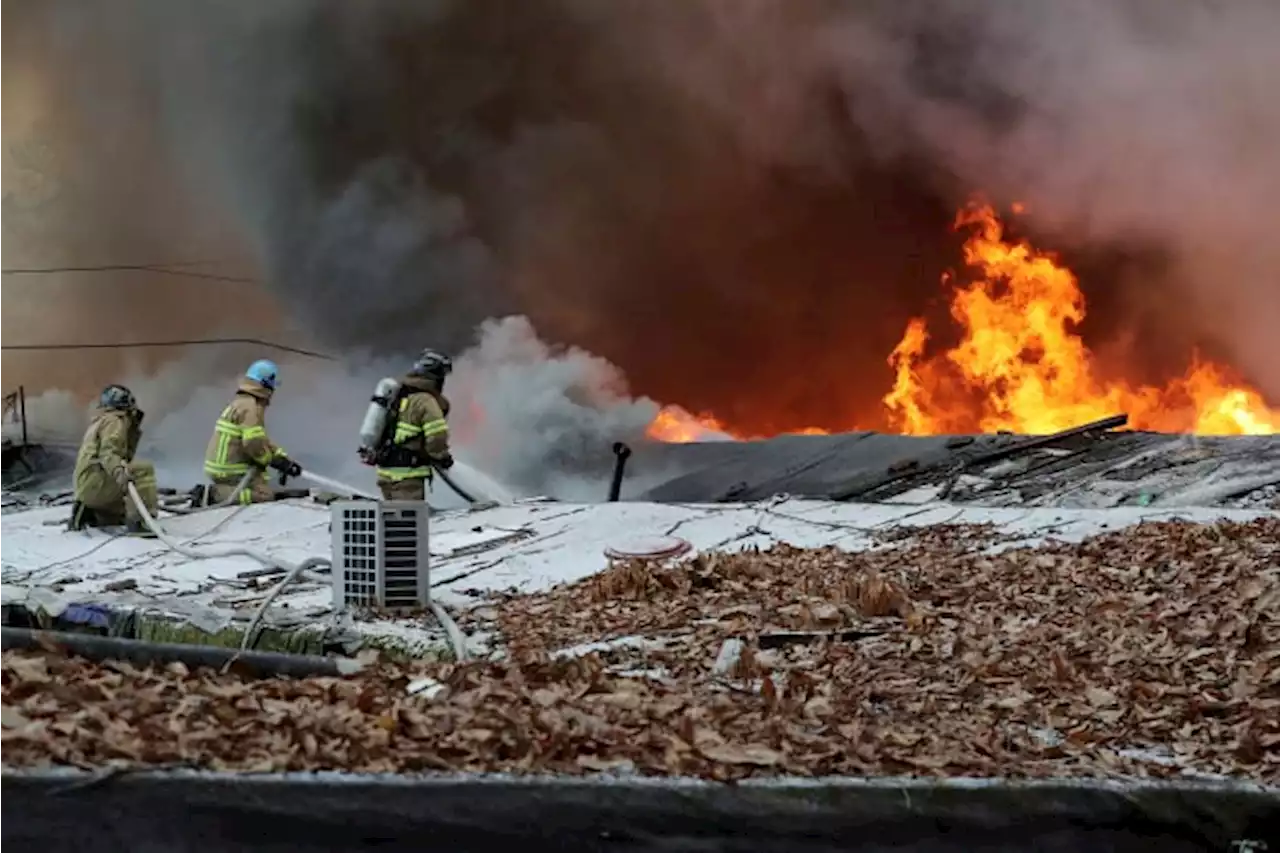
240,442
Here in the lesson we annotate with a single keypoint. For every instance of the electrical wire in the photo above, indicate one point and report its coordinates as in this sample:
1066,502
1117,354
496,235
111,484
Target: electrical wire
159,269
96,267
180,343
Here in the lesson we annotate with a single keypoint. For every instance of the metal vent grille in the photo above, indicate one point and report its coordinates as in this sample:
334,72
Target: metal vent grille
380,556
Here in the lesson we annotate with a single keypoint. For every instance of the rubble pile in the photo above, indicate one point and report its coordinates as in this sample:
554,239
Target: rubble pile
20,502
1150,651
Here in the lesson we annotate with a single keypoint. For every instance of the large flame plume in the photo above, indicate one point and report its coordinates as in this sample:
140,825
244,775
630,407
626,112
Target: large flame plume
1020,364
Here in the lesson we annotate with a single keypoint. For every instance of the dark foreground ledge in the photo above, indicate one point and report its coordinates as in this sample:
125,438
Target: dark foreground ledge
175,811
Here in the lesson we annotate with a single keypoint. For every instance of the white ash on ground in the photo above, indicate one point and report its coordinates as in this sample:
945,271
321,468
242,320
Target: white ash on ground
1152,651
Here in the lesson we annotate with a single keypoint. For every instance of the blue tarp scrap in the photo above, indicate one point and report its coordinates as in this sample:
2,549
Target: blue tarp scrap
114,623
92,615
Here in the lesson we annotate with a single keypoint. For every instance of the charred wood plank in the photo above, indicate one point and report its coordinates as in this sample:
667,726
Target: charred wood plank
1113,422
944,465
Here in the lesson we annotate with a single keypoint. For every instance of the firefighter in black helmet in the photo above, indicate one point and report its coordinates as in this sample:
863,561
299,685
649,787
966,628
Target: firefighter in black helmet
105,466
419,436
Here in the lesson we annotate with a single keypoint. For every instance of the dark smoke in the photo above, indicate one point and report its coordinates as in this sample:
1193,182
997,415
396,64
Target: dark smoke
738,202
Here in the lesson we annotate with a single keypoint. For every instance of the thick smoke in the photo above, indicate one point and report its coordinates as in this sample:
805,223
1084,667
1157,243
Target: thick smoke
541,419
737,202
1152,122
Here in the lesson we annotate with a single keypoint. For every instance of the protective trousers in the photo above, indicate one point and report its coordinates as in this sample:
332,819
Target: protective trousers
256,491
411,489
109,503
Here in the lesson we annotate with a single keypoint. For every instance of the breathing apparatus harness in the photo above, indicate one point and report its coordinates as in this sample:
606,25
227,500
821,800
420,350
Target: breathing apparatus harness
377,431
378,427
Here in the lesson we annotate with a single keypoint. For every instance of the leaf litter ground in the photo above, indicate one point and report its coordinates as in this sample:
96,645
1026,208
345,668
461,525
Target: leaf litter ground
1150,651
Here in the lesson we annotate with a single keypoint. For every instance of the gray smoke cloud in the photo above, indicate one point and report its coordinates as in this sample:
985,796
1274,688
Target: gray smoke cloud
1148,121
718,196
538,419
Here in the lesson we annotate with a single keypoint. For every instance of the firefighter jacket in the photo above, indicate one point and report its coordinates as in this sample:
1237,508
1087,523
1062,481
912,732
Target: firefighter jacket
240,440
421,433
107,447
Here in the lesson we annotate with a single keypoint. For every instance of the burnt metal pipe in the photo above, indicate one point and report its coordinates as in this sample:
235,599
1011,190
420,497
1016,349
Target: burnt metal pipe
620,452
97,648
22,412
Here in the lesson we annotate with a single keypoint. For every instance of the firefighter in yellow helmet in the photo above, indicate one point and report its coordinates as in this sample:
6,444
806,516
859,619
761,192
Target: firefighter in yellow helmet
105,466
419,434
240,443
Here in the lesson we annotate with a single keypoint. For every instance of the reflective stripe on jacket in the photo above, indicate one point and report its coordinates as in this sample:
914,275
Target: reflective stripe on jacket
422,429
240,439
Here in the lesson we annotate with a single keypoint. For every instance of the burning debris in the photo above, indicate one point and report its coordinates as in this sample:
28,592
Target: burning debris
1148,652
1021,366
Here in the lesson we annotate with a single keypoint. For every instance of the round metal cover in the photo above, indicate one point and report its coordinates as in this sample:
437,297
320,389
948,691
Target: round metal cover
648,548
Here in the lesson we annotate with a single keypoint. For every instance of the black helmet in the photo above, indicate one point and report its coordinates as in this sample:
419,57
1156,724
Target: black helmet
432,364
117,397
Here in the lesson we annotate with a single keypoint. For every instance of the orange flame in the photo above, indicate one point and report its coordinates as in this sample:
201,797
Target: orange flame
1021,366
673,424
677,426
1020,355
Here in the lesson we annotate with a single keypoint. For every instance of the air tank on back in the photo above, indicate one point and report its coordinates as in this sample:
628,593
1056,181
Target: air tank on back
375,418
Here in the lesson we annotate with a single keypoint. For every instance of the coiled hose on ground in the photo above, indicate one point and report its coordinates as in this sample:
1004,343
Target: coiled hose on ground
225,502
292,572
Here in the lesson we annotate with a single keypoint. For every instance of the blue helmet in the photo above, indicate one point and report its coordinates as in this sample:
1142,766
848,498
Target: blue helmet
117,397
265,373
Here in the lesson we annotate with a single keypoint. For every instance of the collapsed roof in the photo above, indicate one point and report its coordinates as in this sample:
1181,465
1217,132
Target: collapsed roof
1076,469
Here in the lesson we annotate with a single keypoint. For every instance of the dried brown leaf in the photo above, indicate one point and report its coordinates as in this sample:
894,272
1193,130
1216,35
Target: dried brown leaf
34,669
753,754
12,718
599,765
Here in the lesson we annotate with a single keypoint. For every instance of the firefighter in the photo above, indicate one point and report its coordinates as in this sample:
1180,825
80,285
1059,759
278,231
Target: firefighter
240,442
420,436
105,466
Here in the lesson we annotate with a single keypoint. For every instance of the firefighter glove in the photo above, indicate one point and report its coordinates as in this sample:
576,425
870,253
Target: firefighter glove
444,461
123,477
286,466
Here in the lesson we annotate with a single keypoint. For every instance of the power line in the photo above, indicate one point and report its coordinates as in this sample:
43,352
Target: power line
207,263
208,275
95,267
160,269
157,344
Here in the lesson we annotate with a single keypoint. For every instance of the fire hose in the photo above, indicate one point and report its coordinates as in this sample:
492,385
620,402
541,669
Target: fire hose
332,485
336,486
292,572
225,502
451,483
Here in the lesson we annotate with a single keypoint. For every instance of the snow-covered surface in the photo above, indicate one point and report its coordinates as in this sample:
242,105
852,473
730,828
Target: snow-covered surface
524,547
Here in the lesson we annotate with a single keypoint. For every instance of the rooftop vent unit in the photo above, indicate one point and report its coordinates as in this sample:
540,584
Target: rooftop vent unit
380,554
